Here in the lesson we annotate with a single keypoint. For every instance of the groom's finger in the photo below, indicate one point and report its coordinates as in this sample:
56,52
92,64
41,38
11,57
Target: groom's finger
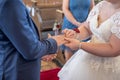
68,39
49,35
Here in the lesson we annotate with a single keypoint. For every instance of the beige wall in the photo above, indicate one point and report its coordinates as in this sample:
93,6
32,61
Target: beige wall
48,13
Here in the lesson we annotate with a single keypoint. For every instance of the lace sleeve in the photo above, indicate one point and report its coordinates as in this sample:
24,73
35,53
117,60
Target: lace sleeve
116,25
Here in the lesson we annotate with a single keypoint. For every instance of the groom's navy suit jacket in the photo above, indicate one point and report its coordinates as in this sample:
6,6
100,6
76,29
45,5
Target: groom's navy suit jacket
20,47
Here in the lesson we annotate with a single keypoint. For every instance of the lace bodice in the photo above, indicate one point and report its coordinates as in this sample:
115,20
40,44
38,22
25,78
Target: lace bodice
102,34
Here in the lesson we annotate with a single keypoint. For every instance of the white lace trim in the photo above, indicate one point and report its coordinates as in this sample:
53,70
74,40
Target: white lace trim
116,27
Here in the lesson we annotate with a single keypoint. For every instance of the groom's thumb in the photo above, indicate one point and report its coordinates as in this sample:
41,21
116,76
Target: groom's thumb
49,35
68,39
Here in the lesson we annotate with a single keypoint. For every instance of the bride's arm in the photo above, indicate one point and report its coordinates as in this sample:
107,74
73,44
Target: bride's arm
111,49
84,31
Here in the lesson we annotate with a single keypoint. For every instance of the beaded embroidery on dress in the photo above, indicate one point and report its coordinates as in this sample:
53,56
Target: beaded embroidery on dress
85,66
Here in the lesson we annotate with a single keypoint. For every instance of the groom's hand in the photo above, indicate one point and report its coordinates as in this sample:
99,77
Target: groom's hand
69,33
49,57
59,39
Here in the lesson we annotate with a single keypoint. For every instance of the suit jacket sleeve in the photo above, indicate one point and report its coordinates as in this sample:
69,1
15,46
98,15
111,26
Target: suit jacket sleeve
16,26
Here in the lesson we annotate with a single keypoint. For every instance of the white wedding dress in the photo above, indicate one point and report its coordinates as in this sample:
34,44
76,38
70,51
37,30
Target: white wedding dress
85,66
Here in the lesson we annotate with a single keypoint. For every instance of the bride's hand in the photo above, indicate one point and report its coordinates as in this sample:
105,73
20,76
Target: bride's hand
72,43
69,33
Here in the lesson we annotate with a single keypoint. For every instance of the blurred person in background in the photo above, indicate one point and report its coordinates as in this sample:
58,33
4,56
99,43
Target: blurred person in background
75,13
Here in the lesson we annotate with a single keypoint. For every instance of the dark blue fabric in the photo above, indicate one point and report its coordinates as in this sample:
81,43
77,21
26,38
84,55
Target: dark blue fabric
79,9
2,2
20,47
